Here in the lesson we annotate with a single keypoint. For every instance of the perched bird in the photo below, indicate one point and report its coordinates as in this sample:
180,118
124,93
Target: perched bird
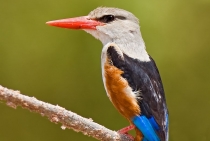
131,78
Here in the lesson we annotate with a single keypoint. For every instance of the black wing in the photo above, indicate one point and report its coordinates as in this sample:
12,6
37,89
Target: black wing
144,77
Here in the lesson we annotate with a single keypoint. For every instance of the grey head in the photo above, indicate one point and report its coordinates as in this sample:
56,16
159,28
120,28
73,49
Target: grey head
120,27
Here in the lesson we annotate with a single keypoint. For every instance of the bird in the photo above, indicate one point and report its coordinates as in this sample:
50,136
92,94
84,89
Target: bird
131,78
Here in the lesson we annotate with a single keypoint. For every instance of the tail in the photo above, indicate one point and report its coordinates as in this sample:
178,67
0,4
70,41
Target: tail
146,126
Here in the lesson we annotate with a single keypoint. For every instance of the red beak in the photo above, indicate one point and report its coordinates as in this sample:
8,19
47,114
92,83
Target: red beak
76,23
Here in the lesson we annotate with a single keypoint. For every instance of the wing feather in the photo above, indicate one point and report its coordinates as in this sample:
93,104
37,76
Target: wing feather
145,77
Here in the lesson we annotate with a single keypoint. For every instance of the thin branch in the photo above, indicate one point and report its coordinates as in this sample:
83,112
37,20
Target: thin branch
58,114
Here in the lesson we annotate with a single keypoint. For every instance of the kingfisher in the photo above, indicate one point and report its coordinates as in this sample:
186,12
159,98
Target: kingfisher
130,76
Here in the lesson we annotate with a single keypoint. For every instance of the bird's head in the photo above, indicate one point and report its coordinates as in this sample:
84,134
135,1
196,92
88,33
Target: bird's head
110,25
105,24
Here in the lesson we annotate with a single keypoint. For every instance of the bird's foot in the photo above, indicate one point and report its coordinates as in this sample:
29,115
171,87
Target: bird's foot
125,131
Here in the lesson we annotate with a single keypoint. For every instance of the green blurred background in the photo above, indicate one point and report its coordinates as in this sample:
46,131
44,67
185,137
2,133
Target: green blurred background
62,66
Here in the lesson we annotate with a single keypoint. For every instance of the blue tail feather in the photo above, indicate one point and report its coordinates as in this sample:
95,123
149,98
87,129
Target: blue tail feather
146,126
154,123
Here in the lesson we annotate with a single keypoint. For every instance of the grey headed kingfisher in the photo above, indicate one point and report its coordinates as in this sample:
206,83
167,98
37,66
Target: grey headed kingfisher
130,76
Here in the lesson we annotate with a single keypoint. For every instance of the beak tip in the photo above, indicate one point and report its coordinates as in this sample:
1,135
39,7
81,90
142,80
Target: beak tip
49,23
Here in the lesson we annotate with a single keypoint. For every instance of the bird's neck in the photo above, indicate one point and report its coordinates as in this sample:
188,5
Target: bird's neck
130,44
134,48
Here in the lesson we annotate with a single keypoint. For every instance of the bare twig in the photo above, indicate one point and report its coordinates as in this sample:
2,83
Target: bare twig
58,114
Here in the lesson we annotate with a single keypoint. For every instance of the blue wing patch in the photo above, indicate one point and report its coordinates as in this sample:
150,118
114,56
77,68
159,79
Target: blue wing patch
147,126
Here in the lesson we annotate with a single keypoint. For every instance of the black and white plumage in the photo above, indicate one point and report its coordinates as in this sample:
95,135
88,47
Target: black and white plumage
130,75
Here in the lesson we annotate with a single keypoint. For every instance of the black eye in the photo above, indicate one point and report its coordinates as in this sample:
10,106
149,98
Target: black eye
107,18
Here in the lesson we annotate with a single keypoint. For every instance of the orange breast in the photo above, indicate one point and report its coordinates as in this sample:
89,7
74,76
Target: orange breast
120,92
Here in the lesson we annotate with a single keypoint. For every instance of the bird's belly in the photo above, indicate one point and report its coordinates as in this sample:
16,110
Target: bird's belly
119,92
